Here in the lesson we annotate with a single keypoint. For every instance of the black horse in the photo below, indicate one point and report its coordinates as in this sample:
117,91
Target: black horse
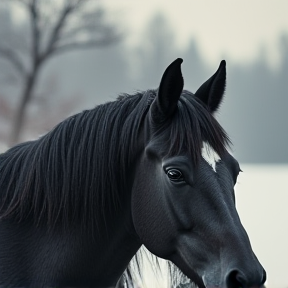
148,169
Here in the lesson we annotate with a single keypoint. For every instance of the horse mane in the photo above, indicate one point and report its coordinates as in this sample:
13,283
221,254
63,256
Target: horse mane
72,172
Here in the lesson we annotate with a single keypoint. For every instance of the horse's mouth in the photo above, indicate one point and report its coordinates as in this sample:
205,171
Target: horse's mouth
197,280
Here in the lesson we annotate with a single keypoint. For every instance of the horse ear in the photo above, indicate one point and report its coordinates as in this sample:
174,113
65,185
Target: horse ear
169,92
211,92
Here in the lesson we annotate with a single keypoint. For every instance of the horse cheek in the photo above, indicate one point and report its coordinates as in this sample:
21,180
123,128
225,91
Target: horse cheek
150,212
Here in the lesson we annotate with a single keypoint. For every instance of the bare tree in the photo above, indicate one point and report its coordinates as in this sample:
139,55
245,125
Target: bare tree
55,27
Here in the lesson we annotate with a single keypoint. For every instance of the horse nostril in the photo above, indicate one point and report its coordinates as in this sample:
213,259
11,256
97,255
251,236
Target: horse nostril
234,280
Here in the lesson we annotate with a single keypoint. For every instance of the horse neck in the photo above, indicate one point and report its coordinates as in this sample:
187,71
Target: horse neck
119,241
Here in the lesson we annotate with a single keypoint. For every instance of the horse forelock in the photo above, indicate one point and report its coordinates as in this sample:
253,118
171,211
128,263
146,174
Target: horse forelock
189,129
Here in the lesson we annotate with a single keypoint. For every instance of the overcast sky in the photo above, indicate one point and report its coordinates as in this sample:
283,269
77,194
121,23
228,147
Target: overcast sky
236,28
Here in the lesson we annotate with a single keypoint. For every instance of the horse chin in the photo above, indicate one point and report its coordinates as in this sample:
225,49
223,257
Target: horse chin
201,281
195,275
198,281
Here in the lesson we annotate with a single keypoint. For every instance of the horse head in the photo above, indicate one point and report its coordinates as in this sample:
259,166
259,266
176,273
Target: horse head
183,202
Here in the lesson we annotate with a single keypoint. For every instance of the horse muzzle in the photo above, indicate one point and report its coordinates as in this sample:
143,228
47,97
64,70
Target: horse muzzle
236,278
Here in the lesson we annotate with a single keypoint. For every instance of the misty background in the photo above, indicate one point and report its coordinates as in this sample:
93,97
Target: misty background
254,112
150,36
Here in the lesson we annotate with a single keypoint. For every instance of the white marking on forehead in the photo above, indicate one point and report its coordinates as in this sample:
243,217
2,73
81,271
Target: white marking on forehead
210,155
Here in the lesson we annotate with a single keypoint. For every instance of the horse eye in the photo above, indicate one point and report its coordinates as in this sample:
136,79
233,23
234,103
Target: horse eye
175,175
